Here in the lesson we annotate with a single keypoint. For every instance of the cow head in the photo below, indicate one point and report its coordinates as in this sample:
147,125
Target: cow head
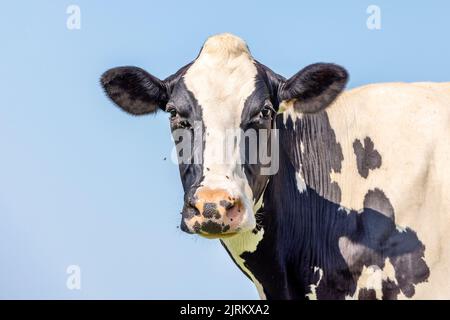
216,105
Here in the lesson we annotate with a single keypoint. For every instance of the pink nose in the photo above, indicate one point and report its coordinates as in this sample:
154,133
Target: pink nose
219,213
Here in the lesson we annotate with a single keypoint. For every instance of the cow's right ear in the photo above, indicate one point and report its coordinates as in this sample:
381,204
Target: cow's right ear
134,90
314,88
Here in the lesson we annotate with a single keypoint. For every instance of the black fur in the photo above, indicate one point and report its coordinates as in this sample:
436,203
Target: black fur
314,87
134,90
367,158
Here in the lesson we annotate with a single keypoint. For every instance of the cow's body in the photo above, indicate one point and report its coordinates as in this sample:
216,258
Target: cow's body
360,207
359,203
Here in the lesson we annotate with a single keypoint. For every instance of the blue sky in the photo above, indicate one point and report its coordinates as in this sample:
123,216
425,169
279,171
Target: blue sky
82,183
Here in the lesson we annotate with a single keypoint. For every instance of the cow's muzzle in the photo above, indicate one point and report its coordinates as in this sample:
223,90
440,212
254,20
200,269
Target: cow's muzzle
213,213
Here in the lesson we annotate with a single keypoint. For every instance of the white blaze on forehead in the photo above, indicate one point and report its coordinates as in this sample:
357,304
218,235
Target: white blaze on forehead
221,79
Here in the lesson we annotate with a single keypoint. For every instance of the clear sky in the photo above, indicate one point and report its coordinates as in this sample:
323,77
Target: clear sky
82,183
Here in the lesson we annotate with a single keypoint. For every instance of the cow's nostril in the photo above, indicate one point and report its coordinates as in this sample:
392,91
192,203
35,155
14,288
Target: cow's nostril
191,203
226,204
189,211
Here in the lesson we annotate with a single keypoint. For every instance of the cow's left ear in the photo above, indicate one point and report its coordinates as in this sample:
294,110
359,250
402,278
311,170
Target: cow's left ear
314,88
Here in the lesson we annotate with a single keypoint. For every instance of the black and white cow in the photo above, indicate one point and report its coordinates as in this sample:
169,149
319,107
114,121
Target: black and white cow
360,204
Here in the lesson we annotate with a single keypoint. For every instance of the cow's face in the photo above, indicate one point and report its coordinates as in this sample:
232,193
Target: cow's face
222,109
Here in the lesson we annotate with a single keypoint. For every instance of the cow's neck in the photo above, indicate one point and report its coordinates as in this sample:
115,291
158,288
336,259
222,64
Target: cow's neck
294,236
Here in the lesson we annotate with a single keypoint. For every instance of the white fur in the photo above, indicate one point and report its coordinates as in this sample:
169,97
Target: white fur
221,79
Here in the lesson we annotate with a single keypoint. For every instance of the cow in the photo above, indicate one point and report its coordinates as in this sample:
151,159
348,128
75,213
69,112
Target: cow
359,204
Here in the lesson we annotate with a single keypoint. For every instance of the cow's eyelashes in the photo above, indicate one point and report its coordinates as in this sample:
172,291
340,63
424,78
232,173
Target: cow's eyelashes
264,114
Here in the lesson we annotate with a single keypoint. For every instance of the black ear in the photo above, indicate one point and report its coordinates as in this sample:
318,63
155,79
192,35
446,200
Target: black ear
314,87
134,90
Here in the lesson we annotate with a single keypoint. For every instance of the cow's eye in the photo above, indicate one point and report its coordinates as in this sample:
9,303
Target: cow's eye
266,111
172,112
